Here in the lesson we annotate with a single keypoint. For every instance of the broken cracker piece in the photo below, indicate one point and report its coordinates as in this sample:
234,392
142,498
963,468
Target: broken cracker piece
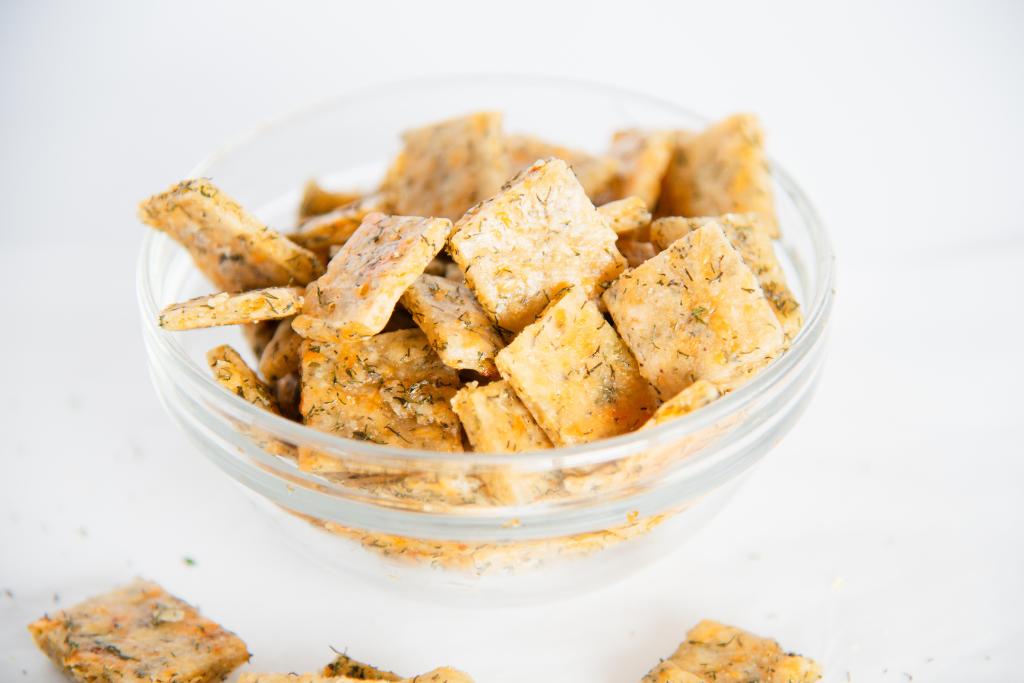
233,374
636,252
697,395
724,654
343,665
595,173
388,389
138,632
317,201
750,236
272,303
721,170
642,157
322,233
228,244
575,374
447,167
453,321
364,281
540,234
626,215
694,311
281,355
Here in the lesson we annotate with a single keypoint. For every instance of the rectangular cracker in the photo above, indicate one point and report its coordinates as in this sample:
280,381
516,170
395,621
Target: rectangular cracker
229,245
642,157
595,173
695,311
693,397
272,303
626,215
749,234
721,170
458,329
233,374
317,201
725,654
449,166
138,632
281,355
343,665
575,375
364,281
636,252
389,389
540,234
320,234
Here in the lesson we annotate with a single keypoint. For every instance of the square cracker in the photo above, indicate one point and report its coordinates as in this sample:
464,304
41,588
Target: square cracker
749,234
138,633
447,167
575,374
723,169
540,234
233,374
229,245
724,654
364,281
458,329
257,305
595,173
694,311
642,157
626,215
389,389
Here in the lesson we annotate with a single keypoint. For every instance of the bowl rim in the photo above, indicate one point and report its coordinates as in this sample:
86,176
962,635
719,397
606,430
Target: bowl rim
817,314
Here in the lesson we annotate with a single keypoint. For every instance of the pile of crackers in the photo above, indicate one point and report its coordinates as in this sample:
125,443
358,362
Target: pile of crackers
497,292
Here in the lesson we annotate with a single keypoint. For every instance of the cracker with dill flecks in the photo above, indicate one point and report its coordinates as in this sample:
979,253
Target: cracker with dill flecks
272,303
258,335
343,665
669,672
725,654
364,281
626,215
281,355
595,173
458,329
229,245
721,170
575,375
694,311
693,397
636,252
539,234
388,389
441,675
642,157
320,234
233,374
749,234
138,632
447,167
317,201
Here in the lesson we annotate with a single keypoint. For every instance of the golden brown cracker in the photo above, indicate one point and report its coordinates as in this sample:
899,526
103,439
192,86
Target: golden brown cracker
281,355
642,157
317,201
693,397
595,173
343,665
626,216
272,303
636,252
233,374
320,234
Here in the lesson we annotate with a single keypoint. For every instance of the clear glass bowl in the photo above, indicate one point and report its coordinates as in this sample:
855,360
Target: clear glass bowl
587,515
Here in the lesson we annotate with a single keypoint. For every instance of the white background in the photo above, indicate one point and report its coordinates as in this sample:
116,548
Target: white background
884,537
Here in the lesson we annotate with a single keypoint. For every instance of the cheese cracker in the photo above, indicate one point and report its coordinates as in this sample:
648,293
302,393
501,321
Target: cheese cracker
233,374
272,303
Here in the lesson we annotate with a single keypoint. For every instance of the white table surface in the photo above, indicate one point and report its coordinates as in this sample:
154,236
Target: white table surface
885,536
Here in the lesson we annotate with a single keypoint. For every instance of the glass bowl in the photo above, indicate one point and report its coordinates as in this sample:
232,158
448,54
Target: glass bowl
426,522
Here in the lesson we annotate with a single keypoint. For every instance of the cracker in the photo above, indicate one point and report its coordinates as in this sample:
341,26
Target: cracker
317,201
442,675
138,632
258,335
288,392
233,374
272,303
694,311
626,215
447,167
321,233
281,355
724,654
750,236
575,374
669,672
693,397
229,245
389,389
595,173
458,329
358,293
453,272
722,170
540,234
636,252
343,665
642,157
